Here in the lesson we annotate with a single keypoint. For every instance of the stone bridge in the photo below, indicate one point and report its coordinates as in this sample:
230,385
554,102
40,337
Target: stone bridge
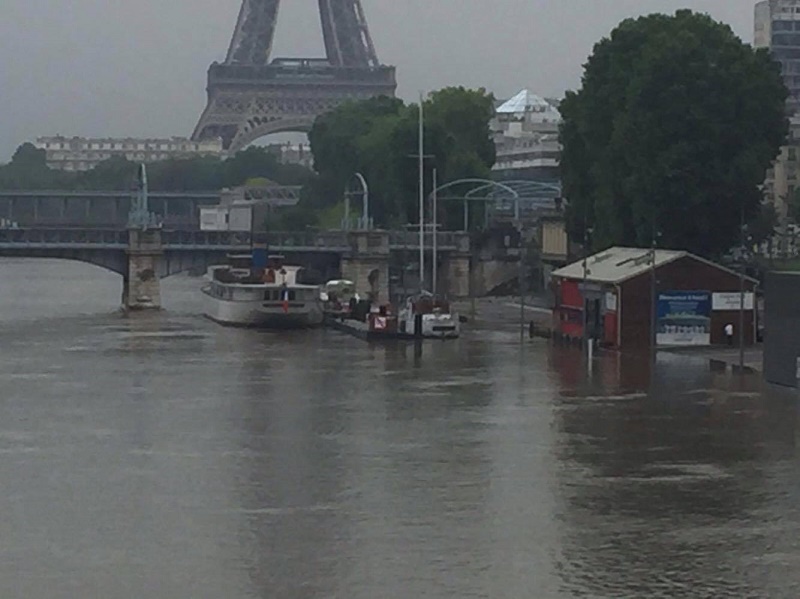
145,257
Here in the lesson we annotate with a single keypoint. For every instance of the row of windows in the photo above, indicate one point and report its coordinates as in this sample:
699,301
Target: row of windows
275,295
786,39
106,155
270,295
786,53
185,147
790,67
785,25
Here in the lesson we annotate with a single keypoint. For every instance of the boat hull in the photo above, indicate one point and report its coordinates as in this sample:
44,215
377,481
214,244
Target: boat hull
260,315
434,326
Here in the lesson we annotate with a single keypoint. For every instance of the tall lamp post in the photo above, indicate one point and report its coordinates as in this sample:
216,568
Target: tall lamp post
653,297
742,240
587,231
434,220
421,157
365,201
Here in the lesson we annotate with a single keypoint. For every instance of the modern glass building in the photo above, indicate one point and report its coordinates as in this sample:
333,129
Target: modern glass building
777,27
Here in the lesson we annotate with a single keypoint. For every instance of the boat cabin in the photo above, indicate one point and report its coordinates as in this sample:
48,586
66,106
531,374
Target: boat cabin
427,303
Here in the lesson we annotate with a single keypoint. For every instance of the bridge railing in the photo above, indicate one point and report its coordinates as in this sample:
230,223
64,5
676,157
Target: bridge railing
277,240
64,237
445,240
229,239
323,241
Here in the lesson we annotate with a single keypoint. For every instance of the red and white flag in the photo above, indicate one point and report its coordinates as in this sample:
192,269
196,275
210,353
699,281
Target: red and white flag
285,298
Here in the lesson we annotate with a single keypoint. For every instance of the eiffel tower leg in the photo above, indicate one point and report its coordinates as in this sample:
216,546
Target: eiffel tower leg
218,122
241,118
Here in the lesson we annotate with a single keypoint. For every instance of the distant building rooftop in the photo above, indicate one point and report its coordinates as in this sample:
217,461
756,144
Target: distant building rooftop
527,103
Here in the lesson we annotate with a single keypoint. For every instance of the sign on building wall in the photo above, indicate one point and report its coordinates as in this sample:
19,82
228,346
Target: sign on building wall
611,302
731,301
684,318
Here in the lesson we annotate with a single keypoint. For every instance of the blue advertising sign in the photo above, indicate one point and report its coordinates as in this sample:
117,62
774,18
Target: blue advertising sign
684,318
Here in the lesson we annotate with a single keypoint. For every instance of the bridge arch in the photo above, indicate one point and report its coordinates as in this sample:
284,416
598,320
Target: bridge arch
113,261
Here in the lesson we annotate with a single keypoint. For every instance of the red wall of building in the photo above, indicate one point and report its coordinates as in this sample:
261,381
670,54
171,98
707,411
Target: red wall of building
610,329
571,294
569,309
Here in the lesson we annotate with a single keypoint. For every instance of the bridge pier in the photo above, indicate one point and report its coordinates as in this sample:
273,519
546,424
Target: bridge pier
456,267
367,264
141,288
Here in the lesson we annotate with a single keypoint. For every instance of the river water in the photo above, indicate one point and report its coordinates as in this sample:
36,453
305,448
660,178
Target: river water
163,456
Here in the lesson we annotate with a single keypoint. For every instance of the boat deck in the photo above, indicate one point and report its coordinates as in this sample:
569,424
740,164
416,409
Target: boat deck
362,331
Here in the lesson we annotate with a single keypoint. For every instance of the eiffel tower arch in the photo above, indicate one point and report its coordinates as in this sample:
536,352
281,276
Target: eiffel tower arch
251,95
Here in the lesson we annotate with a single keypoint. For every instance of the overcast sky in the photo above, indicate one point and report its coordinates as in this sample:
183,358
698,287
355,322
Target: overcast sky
138,68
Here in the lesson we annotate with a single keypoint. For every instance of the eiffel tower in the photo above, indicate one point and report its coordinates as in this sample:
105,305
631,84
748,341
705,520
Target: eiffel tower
250,96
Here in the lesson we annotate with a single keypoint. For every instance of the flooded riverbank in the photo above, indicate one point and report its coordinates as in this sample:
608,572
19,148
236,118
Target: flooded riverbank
165,456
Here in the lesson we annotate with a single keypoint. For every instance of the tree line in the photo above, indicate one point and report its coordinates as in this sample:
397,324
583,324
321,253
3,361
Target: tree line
28,170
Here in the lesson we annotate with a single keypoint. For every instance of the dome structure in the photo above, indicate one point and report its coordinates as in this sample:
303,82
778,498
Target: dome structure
531,106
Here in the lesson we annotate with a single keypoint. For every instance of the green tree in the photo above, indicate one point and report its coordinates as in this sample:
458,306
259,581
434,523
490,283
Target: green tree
762,227
28,170
673,129
115,174
379,138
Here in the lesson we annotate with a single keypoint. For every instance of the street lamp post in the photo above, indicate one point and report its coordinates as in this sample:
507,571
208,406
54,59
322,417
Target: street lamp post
653,299
364,201
741,293
421,156
587,231
434,219
421,193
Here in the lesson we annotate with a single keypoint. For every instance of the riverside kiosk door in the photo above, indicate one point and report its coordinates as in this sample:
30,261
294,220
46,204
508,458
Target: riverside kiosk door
593,306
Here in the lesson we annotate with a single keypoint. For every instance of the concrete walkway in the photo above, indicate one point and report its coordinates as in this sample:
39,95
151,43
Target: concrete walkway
725,358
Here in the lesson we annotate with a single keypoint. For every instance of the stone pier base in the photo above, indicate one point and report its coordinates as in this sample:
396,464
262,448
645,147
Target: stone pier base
367,264
141,289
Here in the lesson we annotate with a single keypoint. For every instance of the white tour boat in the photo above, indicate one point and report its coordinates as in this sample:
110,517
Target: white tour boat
272,297
433,314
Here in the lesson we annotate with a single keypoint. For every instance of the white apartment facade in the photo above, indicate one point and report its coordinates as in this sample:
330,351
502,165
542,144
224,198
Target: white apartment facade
293,153
83,154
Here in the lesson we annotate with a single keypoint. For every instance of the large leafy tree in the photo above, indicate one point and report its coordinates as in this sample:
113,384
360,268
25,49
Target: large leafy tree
672,132
28,170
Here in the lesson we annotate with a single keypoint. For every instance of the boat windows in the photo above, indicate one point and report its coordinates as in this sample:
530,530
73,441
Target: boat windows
272,295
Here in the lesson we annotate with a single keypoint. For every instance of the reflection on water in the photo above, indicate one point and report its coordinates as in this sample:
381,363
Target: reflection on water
164,456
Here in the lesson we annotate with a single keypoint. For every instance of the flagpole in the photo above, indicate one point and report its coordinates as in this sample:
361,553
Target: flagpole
421,195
